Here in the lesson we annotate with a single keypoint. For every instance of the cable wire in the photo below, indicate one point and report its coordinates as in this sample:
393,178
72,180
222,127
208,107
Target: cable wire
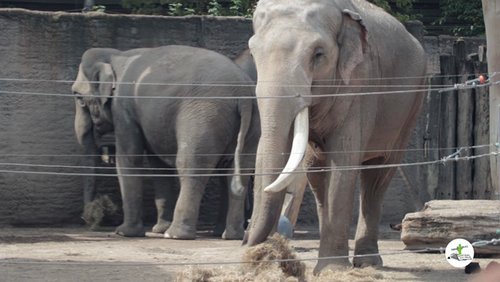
243,154
12,262
453,157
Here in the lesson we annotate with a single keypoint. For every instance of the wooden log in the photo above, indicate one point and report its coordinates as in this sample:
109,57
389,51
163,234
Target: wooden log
441,221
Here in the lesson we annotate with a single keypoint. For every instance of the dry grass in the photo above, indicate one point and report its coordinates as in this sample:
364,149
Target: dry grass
275,248
255,268
196,274
95,211
349,274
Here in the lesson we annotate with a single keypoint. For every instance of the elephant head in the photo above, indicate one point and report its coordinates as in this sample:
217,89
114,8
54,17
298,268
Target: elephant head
94,88
296,47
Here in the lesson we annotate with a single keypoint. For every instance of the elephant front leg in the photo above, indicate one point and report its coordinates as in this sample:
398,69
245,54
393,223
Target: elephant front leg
374,183
131,189
335,220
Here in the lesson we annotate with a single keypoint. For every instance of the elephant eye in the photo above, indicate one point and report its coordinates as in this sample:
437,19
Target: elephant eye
318,55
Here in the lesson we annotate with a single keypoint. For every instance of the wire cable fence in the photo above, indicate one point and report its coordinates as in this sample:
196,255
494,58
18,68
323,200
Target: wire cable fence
417,89
160,154
228,82
441,250
455,157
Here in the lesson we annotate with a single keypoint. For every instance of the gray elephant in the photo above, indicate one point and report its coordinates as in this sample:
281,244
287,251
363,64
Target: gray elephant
153,101
315,58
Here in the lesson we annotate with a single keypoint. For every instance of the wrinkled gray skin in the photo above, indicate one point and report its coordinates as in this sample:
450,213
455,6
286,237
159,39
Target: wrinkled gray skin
166,206
245,62
198,132
334,43
312,156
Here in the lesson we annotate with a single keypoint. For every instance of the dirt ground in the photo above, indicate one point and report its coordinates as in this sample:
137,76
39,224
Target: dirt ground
77,254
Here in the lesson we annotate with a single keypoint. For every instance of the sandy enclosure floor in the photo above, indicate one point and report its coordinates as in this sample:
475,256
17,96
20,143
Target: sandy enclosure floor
104,254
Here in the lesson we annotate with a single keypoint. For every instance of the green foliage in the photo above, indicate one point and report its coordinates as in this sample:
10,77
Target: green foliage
459,17
401,9
463,17
242,8
214,8
148,7
99,8
179,9
189,7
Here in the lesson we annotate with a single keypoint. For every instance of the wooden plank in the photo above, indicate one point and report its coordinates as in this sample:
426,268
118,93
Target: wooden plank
465,119
431,138
481,176
447,135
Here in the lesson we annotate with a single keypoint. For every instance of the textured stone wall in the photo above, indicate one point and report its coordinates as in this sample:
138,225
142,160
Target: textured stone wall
48,46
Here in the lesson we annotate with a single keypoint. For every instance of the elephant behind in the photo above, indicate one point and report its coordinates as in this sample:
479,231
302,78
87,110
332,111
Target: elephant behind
155,102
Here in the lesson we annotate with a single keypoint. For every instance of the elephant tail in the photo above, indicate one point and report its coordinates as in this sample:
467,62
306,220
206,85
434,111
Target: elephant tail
245,111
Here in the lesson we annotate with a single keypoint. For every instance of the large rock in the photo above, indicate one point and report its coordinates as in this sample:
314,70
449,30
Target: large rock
441,221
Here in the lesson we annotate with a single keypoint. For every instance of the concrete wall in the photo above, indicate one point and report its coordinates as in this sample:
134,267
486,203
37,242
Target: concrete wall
48,46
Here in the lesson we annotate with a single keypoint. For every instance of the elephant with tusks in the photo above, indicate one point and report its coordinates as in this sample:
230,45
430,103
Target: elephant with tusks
315,58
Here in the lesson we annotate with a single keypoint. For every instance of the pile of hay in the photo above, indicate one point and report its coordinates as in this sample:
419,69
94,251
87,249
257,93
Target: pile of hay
255,266
275,248
95,211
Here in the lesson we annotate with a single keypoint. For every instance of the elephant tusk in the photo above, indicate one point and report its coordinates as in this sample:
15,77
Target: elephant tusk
299,146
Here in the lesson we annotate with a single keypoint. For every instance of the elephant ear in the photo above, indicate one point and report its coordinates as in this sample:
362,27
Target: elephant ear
107,82
353,42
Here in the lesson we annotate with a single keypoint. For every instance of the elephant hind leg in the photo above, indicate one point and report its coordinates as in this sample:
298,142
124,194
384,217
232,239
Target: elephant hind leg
374,183
191,166
166,192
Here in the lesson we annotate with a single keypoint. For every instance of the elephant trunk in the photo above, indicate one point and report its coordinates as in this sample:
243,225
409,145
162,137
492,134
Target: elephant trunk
85,136
276,126
299,146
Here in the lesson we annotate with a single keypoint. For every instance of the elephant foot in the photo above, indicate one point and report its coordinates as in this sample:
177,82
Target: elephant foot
333,265
161,226
233,234
180,233
218,230
367,261
131,231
